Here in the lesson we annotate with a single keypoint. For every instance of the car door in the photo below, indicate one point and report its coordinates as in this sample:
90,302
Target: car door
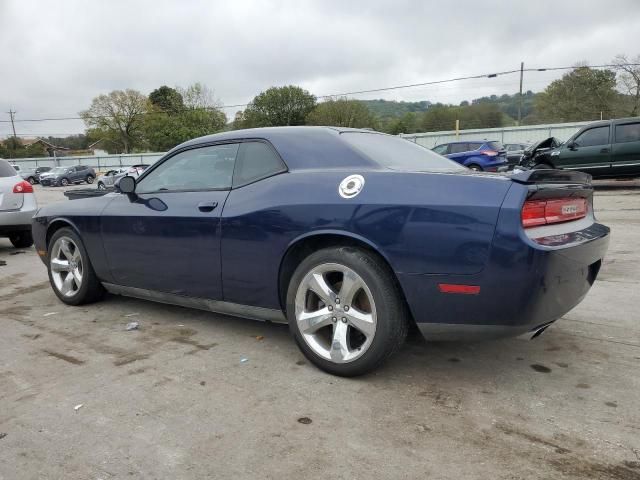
166,236
625,150
458,152
589,151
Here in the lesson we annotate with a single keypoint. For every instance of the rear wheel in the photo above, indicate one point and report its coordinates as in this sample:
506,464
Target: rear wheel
101,186
31,180
70,272
64,182
475,168
21,239
89,179
345,311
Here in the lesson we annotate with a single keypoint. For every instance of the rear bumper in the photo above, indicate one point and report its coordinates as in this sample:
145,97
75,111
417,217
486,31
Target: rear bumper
523,287
16,220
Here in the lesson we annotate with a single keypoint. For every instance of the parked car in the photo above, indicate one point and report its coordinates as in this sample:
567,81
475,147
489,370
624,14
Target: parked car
111,177
488,156
32,175
17,206
63,176
514,152
606,149
348,235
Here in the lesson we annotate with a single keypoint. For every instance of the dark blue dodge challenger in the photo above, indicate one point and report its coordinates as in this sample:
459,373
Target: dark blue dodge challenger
350,236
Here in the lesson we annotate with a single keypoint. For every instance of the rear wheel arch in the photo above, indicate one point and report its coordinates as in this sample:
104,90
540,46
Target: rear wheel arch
305,246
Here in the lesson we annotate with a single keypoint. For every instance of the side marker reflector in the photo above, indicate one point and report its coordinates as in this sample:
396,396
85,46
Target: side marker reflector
463,289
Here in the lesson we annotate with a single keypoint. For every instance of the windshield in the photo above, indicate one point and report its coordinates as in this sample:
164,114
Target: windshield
397,153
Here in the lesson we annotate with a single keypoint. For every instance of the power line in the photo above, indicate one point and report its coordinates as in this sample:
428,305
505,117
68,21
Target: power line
356,92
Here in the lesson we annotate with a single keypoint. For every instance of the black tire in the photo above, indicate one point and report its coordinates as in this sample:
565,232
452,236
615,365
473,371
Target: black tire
90,179
475,168
392,315
64,182
21,239
31,180
542,166
101,186
91,290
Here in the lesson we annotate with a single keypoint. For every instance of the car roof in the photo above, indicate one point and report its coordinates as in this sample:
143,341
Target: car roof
301,147
468,141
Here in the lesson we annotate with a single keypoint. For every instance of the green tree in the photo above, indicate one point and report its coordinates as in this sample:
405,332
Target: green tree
199,115
166,99
341,112
278,106
119,116
582,94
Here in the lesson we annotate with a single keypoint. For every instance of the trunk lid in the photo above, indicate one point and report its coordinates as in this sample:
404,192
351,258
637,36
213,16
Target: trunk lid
8,199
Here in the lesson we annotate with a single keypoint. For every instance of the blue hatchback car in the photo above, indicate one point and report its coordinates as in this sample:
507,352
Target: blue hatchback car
350,236
482,156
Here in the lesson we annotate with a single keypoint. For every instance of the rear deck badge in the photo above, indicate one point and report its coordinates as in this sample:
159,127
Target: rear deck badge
351,186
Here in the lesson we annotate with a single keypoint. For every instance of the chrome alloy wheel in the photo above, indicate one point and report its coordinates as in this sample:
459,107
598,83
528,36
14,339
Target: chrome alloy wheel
335,313
66,266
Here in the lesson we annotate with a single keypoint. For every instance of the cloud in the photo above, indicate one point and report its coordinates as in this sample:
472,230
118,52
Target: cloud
58,55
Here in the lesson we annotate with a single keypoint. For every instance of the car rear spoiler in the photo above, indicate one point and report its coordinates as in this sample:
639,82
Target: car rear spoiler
551,176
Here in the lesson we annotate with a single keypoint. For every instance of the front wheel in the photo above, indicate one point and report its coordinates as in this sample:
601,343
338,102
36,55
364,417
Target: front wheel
64,182
70,272
101,186
345,310
21,239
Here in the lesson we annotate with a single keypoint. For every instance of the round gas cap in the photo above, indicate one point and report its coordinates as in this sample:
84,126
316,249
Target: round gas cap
351,186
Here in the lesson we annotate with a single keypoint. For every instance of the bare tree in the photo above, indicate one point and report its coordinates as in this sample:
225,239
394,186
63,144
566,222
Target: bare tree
629,80
118,116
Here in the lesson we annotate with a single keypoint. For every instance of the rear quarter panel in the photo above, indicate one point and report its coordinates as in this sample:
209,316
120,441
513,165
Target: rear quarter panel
420,223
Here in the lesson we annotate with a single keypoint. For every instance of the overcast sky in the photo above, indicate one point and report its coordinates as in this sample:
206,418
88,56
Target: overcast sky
59,54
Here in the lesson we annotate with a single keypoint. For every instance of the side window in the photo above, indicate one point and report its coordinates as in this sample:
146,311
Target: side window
458,147
629,132
441,149
593,136
256,160
204,168
474,146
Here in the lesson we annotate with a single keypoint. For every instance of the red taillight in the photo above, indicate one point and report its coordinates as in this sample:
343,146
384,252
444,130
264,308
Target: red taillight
23,187
489,153
545,212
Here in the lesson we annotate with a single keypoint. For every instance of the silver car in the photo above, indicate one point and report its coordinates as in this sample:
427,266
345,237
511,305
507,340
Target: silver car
17,206
111,178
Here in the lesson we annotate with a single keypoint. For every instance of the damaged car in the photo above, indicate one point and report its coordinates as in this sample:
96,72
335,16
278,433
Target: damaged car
349,236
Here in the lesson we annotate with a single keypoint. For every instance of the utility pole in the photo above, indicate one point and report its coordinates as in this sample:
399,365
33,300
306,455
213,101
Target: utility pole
11,114
520,96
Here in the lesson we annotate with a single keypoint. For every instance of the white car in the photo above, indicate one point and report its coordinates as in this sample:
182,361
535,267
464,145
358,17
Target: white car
17,206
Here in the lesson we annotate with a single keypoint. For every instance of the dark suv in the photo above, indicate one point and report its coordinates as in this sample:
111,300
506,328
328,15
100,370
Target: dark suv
604,149
63,176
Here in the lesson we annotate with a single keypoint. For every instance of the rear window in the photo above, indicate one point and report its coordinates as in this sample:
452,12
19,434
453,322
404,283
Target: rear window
497,146
6,170
629,132
396,153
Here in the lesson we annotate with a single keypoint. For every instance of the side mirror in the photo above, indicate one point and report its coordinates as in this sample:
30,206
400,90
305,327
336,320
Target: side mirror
126,185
